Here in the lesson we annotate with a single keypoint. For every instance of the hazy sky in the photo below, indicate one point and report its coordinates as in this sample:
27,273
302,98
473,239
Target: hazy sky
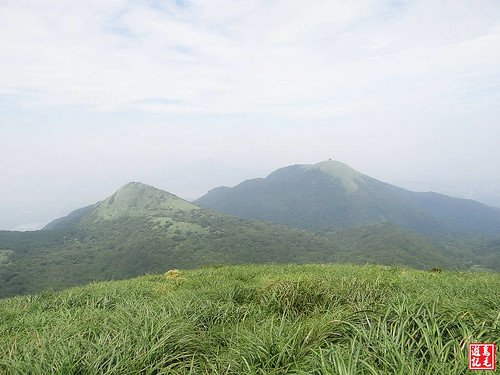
189,95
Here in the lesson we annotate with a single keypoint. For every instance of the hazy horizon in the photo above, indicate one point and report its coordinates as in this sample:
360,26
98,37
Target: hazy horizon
190,95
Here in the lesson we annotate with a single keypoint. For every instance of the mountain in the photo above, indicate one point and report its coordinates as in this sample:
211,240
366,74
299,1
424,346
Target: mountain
331,196
141,229
133,200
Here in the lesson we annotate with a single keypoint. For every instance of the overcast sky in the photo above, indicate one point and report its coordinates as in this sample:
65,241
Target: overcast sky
189,95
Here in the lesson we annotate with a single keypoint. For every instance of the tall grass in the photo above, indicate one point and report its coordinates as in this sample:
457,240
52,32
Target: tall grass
309,319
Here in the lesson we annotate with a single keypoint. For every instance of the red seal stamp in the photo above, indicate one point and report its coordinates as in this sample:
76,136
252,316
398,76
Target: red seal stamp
482,356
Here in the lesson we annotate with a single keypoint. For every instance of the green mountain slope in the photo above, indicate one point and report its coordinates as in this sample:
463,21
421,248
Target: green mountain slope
307,319
141,229
331,196
134,199
389,244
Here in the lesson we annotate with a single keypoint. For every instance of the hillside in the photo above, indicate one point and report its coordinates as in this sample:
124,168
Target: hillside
332,196
388,244
309,319
141,229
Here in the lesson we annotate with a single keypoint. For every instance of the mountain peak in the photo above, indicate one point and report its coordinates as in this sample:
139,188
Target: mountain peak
135,185
134,199
336,169
139,199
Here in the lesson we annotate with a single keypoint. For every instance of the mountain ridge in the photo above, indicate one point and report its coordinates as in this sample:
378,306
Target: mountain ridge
141,229
331,195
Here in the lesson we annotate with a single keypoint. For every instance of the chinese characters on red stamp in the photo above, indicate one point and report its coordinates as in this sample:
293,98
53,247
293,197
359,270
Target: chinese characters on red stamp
482,356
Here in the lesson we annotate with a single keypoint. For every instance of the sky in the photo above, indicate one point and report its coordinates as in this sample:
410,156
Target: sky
190,95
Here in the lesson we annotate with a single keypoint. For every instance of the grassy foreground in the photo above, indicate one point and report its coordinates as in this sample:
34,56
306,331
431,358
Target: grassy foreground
297,319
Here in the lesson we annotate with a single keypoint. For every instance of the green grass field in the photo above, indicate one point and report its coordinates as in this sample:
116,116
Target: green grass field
297,319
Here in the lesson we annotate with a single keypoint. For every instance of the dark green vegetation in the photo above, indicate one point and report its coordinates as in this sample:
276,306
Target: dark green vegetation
141,229
386,241
309,319
331,196
368,217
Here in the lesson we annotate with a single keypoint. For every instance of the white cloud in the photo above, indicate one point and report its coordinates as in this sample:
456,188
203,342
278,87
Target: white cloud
94,94
282,57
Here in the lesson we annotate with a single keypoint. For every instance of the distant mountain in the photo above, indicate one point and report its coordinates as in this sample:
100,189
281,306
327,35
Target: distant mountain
134,199
332,196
